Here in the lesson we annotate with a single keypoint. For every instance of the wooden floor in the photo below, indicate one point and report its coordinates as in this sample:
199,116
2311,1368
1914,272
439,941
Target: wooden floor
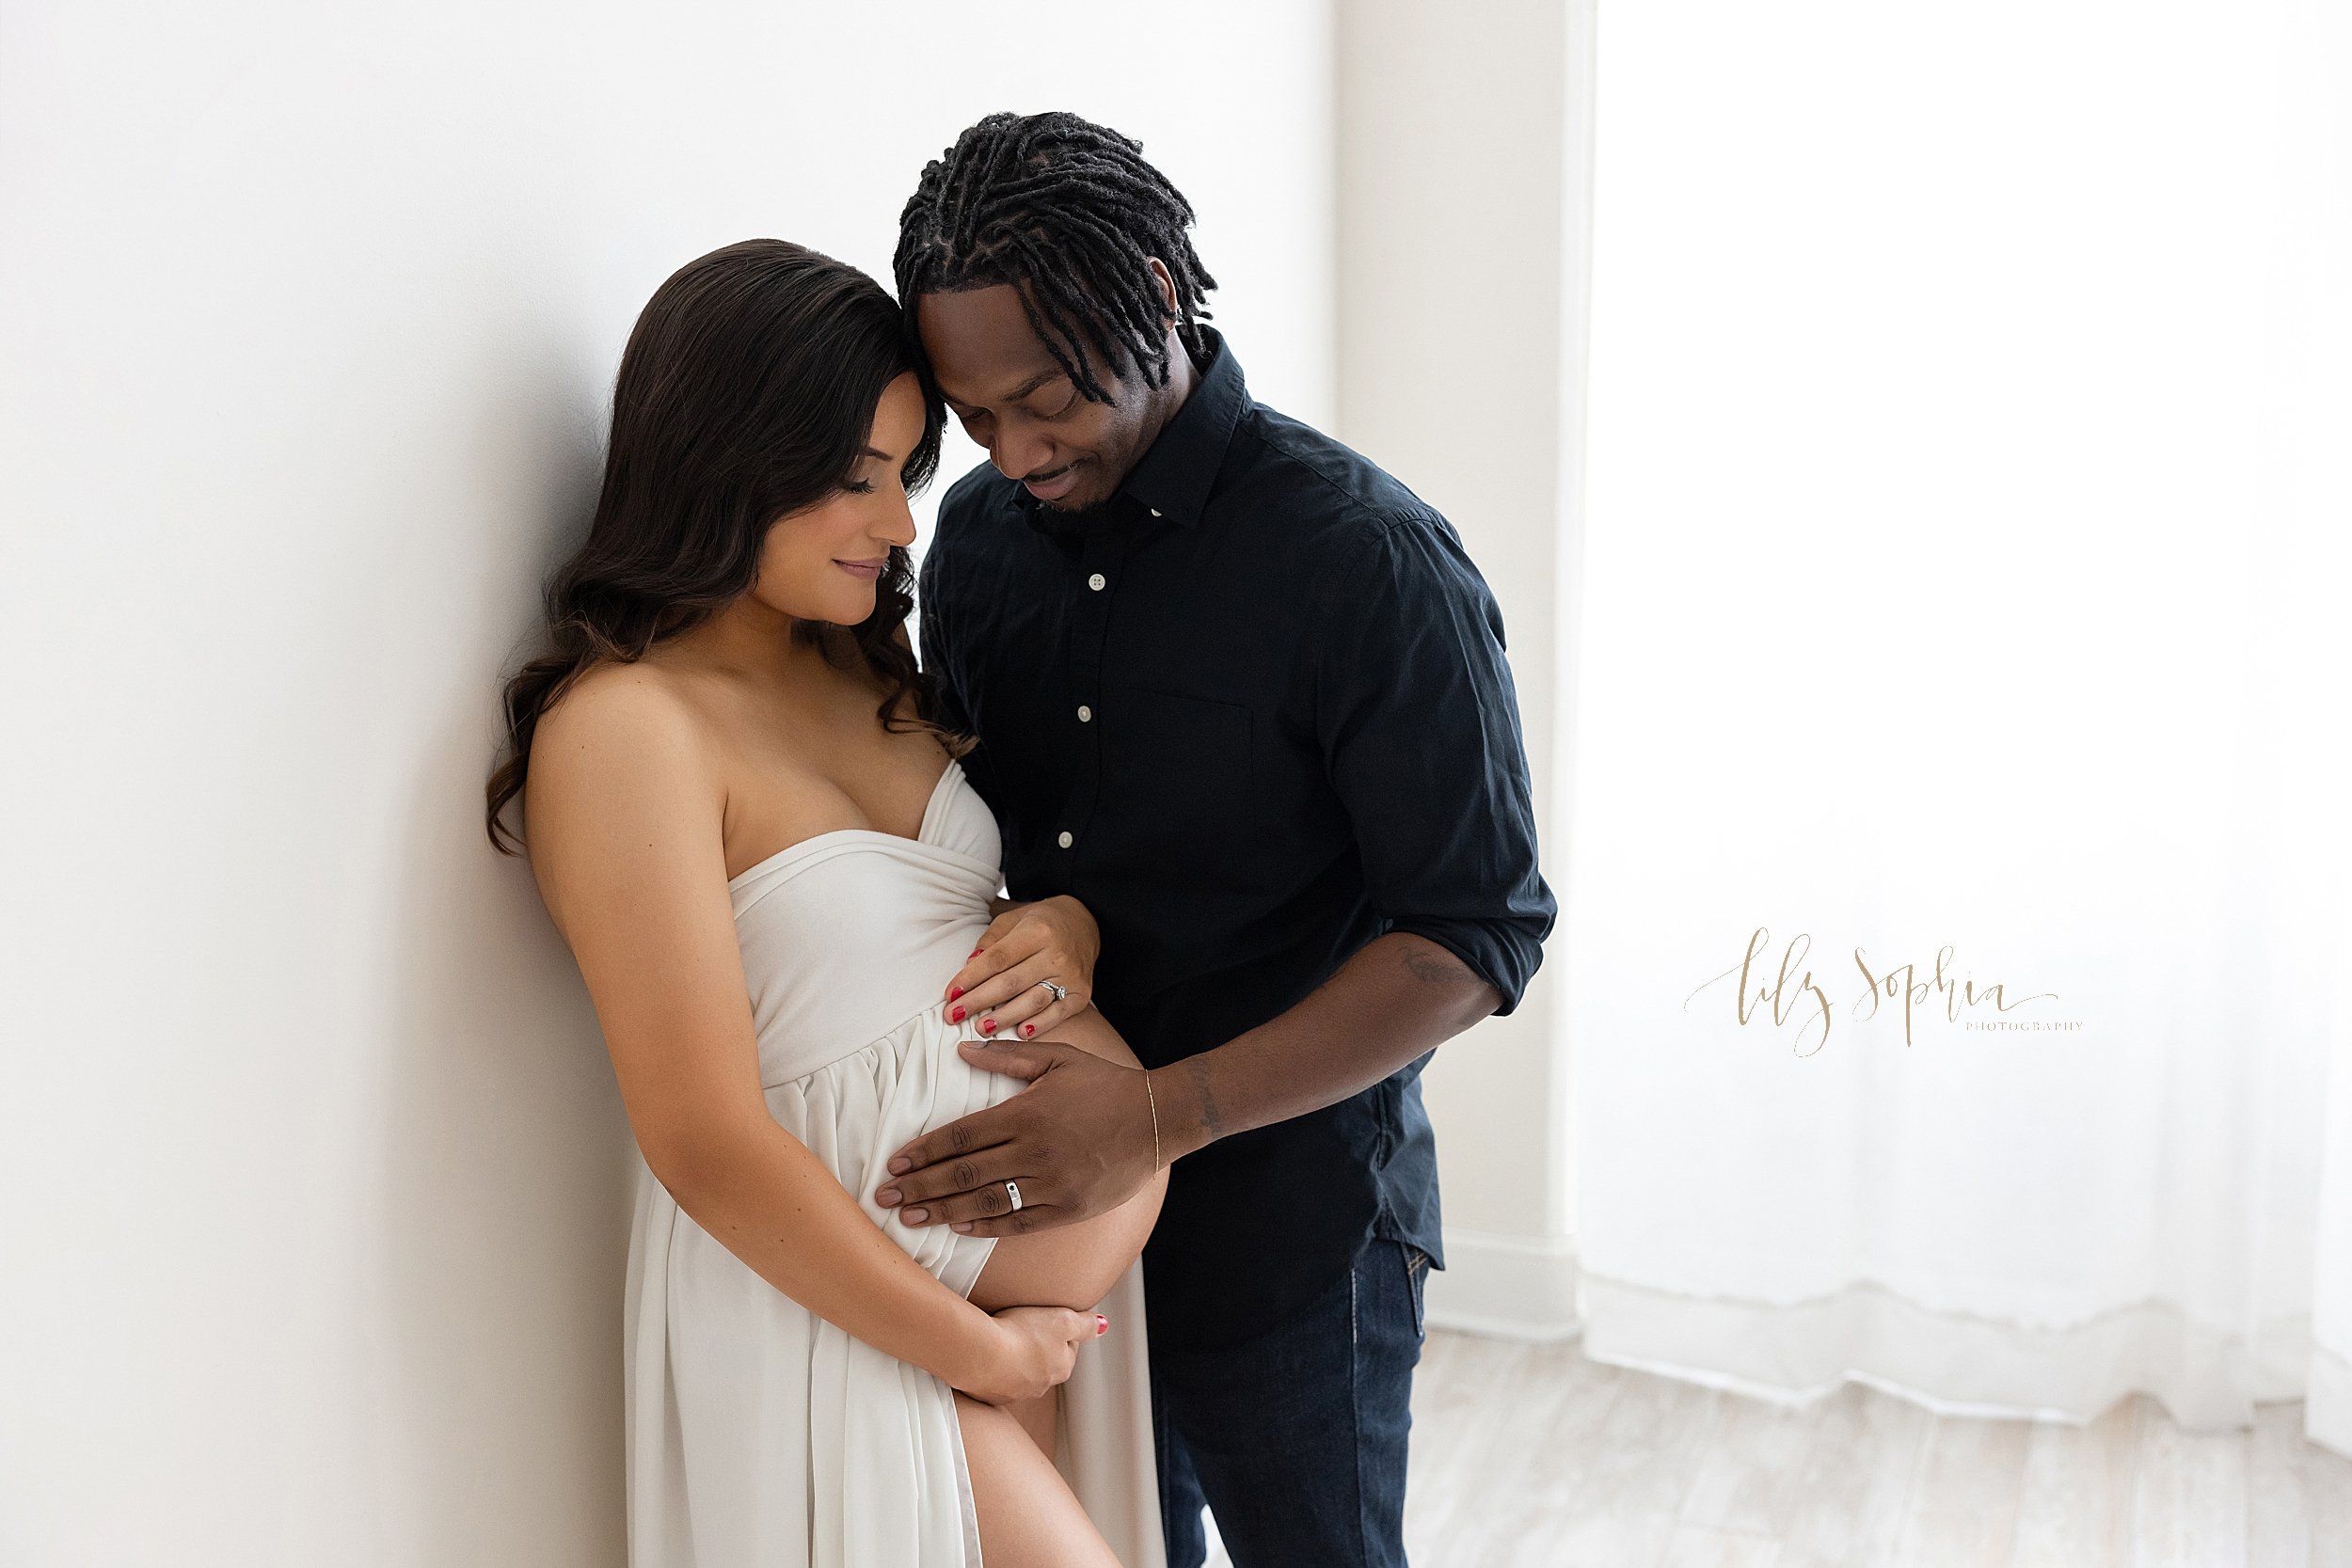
1534,1456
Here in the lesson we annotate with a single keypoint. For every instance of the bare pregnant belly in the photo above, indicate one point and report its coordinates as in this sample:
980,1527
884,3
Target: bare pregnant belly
1093,1033
1074,1265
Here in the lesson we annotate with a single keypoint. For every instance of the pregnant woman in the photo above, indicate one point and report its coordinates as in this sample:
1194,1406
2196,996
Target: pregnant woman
767,861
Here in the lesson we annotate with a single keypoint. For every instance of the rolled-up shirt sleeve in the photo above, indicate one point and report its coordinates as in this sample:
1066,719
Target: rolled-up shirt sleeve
1419,721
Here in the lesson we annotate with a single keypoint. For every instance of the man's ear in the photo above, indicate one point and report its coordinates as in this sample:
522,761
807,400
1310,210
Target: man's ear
1168,287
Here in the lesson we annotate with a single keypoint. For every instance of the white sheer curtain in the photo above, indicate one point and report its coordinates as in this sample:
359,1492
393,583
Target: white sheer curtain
1966,574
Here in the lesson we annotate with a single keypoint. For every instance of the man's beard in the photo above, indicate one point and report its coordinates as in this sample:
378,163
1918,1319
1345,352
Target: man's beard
1061,519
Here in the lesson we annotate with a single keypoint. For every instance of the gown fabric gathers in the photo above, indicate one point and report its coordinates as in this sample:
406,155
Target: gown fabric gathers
760,1435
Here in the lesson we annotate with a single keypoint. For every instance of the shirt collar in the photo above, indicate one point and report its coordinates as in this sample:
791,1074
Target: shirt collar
1172,478
1171,481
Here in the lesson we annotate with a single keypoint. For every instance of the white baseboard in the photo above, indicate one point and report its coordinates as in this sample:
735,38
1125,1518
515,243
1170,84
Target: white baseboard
2327,1411
1505,1287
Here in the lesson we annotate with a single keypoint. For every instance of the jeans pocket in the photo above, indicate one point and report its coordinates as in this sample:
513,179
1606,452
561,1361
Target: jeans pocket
1417,1279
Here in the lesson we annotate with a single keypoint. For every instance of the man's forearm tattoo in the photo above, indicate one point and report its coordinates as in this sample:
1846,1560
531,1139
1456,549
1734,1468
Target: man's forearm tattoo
1432,970
1212,1120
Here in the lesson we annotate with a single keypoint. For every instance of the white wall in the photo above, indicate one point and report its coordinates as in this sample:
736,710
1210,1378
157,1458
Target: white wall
314,1173
1462,152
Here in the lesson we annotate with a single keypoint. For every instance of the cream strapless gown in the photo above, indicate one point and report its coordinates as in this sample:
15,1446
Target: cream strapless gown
759,1435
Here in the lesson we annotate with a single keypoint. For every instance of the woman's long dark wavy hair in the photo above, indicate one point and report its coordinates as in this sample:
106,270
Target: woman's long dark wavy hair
746,392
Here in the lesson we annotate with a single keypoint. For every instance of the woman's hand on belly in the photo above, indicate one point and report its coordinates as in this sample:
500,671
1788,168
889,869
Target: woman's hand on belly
1005,986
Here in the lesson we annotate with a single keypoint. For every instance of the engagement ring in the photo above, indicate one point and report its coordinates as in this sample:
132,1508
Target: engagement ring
1060,994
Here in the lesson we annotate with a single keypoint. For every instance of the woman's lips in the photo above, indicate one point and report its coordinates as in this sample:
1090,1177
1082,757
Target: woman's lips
1055,488
870,570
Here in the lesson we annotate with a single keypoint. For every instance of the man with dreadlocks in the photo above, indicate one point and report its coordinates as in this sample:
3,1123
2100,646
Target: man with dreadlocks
1242,695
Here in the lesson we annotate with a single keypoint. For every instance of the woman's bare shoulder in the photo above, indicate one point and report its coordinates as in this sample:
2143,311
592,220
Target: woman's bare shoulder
638,703
620,732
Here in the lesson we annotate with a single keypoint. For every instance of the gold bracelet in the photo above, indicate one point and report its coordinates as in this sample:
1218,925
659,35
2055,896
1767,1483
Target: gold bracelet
1155,1118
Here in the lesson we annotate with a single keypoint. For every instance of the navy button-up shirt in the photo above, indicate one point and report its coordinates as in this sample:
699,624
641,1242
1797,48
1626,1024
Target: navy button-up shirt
1253,712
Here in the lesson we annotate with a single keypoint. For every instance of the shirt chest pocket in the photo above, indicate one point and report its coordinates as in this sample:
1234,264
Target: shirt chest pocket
1177,771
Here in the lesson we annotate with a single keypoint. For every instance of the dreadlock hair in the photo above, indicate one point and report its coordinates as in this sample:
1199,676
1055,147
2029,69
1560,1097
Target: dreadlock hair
1068,211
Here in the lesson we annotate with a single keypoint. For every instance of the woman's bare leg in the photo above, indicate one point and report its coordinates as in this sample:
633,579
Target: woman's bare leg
1040,1417
1028,1518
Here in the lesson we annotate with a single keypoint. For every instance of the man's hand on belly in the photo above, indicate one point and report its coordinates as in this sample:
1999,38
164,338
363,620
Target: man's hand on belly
1078,1141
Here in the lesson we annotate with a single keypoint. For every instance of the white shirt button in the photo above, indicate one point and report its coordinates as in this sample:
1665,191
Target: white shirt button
1085,714
1065,840
1097,583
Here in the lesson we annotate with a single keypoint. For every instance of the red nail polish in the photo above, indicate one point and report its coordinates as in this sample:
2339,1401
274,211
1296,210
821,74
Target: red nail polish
955,1015
954,991
1102,1325
1028,1029
973,953
988,1026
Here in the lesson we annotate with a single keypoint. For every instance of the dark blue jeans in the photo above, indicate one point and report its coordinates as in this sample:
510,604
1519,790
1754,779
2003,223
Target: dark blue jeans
1295,1440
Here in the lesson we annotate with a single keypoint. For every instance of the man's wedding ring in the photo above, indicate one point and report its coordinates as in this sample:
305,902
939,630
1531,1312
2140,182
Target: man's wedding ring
1060,994
1012,1190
